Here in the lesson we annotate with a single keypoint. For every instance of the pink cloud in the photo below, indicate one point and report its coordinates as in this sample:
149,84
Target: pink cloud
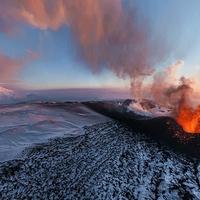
108,33
10,67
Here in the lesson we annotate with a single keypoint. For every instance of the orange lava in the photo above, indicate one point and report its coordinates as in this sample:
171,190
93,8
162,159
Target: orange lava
189,118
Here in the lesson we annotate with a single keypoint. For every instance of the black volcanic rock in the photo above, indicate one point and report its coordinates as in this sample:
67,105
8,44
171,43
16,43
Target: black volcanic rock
162,129
111,161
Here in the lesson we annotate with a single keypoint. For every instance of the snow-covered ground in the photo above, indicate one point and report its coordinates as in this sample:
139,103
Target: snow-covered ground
109,161
22,125
98,159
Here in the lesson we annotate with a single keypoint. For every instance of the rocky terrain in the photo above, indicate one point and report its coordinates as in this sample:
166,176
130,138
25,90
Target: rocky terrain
110,161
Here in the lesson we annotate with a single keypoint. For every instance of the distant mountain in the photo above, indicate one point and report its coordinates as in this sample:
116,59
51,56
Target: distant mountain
6,92
7,95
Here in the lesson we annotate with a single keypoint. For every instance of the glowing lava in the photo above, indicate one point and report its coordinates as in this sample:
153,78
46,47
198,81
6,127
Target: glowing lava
189,118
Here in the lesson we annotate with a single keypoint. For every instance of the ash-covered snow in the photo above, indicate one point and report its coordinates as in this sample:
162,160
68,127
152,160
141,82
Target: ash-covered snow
109,161
148,108
24,124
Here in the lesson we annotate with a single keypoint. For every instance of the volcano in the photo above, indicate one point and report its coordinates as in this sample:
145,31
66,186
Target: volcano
163,129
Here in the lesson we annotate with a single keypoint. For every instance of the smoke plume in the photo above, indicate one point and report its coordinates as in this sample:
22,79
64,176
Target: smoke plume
110,33
164,82
168,89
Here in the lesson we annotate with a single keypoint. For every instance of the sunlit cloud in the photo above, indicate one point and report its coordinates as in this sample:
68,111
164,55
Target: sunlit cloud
9,67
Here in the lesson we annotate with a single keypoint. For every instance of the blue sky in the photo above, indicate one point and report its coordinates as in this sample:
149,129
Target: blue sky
59,65
176,22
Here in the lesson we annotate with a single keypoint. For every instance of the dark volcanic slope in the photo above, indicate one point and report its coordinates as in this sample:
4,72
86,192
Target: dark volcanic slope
108,162
164,130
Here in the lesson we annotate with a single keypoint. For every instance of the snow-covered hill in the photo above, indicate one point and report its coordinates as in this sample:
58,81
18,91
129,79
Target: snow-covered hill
22,125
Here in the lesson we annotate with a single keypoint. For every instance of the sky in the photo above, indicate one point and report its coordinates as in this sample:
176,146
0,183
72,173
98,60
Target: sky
40,51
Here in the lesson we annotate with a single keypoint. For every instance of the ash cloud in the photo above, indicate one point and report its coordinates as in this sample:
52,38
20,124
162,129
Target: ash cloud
163,82
109,32
168,89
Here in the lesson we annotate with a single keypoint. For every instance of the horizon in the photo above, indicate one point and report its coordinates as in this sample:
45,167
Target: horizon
9,96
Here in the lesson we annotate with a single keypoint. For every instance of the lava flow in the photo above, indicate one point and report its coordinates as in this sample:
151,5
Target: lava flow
189,118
